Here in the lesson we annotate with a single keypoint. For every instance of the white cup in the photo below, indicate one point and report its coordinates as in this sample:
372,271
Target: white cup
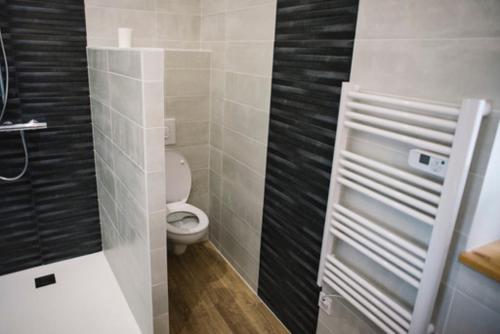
124,37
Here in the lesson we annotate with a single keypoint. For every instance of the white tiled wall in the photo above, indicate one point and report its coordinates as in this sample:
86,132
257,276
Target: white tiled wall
240,35
155,23
444,51
127,118
187,99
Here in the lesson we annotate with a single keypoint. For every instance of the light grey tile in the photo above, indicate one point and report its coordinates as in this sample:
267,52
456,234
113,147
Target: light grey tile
105,175
241,231
104,147
322,329
424,69
197,156
243,177
101,116
248,89
246,150
413,19
217,110
479,287
215,210
142,42
343,320
179,6
243,205
452,266
255,23
103,23
153,66
97,59
161,324
155,149
442,307
125,62
468,316
246,120
157,197
153,104
189,45
213,27
216,136
187,82
131,176
215,184
214,234
130,138
99,86
108,232
469,203
132,213
200,201
124,4
247,264
160,299
212,6
479,63
218,53
487,134
158,229
126,97
186,109
215,160
239,4
199,181
101,42
218,83
134,245
107,202
250,57
159,266
191,133
178,27
479,18
126,258
191,59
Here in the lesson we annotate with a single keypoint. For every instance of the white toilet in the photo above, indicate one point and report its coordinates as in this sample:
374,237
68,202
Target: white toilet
186,224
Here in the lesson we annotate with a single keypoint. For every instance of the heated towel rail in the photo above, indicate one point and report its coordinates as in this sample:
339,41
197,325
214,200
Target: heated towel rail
445,130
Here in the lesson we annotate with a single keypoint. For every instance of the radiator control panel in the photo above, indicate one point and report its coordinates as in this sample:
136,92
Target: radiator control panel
428,162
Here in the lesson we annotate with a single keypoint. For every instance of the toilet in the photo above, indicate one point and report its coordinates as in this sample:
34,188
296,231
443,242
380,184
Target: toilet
186,224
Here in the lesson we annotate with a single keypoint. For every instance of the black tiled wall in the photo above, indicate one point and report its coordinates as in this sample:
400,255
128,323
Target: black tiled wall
51,213
312,57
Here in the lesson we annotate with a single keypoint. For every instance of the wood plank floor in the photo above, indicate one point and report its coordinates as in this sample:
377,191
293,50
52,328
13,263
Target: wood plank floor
207,296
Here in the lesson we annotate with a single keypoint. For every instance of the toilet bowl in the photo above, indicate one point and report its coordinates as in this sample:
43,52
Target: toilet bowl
186,224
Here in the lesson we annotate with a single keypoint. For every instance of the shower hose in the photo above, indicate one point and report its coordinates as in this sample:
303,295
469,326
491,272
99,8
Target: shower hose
5,94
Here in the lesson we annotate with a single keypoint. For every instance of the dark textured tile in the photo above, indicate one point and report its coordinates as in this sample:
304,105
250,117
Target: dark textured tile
312,57
51,213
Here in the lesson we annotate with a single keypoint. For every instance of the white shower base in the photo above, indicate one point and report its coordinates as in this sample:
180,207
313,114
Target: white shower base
86,299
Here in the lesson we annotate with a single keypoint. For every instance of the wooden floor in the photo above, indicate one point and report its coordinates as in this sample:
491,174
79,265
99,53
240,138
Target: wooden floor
207,296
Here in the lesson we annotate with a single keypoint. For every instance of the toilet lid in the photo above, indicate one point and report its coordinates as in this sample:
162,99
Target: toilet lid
177,177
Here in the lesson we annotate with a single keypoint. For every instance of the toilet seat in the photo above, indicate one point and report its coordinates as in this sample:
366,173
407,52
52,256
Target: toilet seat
202,224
